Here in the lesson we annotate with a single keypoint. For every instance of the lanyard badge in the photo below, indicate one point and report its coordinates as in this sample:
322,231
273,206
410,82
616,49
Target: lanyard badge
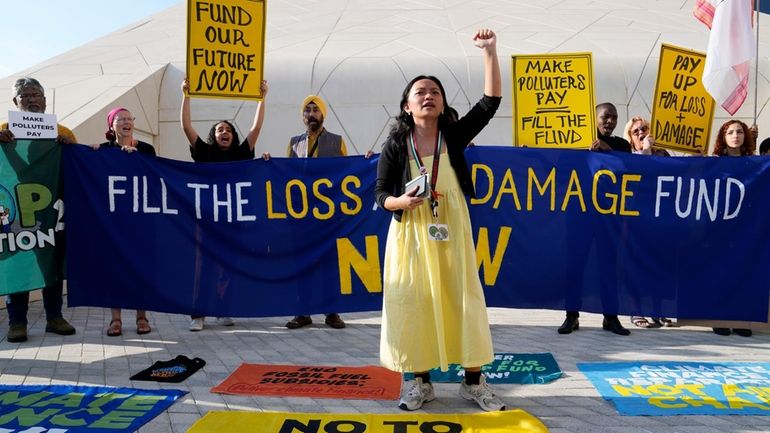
434,196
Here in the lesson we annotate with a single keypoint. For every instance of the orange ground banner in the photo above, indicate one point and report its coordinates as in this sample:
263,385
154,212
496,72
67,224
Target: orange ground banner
369,382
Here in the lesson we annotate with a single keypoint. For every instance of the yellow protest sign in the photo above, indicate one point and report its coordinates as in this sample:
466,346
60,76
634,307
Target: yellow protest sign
225,48
509,421
682,110
553,101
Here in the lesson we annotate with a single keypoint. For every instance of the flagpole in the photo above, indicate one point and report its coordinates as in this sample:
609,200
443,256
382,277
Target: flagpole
756,69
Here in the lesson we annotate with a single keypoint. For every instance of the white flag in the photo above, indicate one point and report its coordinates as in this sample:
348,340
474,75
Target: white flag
730,51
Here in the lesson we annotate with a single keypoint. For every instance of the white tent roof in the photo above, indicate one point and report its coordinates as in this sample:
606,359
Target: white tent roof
359,54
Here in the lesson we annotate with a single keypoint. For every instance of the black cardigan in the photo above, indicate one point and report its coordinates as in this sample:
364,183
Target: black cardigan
393,166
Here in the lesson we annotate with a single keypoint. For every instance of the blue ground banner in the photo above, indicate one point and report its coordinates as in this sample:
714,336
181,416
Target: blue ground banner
556,229
31,208
683,388
519,368
80,409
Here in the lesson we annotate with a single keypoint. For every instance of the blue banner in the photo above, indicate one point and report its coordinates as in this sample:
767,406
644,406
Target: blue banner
557,229
682,388
80,409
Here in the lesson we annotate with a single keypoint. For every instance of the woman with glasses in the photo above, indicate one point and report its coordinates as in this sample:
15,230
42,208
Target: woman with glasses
637,132
120,134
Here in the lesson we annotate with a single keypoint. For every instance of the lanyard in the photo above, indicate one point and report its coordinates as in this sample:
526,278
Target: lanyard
434,171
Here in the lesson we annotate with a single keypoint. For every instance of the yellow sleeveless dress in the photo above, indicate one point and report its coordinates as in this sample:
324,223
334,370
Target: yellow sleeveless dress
434,313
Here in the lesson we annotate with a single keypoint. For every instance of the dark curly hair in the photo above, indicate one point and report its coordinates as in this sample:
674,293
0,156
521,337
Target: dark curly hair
212,138
748,146
404,122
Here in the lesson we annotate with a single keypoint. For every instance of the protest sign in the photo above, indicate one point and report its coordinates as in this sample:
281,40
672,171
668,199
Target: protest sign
30,126
80,409
313,381
682,110
225,48
509,421
520,368
300,235
683,388
31,215
553,101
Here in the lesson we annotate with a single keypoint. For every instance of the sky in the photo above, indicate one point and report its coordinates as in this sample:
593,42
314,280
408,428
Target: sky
60,26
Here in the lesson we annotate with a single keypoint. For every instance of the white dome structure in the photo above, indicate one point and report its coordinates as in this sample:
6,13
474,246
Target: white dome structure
359,54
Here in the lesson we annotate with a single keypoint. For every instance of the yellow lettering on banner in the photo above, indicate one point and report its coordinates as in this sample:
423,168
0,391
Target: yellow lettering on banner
613,197
367,268
703,401
628,391
290,201
329,203
666,402
73,399
269,195
507,186
541,188
732,390
358,205
490,183
491,264
739,403
662,389
625,193
573,189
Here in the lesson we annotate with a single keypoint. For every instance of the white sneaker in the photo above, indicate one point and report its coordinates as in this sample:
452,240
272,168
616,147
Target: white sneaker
483,395
414,394
197,324
225,321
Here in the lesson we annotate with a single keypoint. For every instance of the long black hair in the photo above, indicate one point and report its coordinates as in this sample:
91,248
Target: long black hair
212,138
404,122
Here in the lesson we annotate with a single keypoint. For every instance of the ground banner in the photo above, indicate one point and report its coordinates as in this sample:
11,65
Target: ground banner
509,421
682,110
553,101
80,409
683,388
31,215
369,382
556,229
519,368
225,48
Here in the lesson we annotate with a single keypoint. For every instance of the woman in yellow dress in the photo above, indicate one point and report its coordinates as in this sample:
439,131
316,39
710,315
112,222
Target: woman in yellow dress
434,312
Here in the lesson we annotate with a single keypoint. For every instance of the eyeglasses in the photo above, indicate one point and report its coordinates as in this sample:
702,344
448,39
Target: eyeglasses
639,130
125,119
37,95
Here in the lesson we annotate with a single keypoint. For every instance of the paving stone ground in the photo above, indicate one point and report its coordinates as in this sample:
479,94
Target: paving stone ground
568,405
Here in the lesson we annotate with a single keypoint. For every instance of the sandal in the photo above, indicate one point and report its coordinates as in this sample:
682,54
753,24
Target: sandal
142,326
114,330
662,321
640,322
